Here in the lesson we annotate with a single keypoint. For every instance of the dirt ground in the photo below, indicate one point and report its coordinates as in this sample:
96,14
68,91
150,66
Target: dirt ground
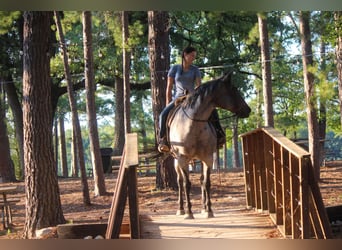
227,192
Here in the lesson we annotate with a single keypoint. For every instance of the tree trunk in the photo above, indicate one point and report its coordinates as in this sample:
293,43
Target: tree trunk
338,24
119,136
62,146
322,123
75,164
126,71
13,101
266,69
311,107
159,59
43,205
236,159
78,143
99,181
6,165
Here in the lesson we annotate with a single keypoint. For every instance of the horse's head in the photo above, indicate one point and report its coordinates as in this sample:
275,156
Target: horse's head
230,98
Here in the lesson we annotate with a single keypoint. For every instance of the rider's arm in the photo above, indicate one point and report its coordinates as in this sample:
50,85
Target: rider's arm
197,82
170,81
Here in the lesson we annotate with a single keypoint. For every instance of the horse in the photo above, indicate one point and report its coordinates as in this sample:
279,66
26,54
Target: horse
192,136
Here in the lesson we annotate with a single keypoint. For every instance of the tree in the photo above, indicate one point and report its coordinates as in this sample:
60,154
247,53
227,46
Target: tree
6,164
266,69
62,146
310,96
126,70
119,138
158,44
43,205
99,182
78,151
338,25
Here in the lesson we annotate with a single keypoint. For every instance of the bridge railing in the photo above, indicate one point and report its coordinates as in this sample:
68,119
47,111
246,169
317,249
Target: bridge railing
279,179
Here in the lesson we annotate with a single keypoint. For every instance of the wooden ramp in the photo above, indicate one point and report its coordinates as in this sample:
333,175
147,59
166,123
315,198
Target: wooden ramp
228,224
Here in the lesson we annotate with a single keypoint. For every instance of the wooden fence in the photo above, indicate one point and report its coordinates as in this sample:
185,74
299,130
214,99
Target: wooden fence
280,179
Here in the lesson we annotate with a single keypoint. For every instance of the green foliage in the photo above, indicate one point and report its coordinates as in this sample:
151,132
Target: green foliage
7,19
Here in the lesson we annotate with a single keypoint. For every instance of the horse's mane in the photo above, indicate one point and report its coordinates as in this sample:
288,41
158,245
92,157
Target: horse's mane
201,91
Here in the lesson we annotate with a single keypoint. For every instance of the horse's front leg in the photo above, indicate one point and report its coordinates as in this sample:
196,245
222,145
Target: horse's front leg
206,185
203,194
180,184
187,188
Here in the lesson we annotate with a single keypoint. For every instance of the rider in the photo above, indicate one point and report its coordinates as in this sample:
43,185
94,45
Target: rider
186,77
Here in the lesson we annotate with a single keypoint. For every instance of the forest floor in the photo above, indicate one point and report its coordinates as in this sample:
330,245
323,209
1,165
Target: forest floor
227,192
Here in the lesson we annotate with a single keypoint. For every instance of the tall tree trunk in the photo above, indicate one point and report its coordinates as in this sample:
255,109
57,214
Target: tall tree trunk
119,136
6,166
74,154
235,145
322,123
338,25
43,205
309,86
62,146
13,101
99,180
75,120
159,60
56,141
266,69
126,70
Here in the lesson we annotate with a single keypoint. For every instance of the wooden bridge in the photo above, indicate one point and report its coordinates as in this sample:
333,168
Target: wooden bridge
227,224
281,196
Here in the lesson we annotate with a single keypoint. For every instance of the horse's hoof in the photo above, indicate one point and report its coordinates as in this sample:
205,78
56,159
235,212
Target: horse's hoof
189,217
207,215
180,212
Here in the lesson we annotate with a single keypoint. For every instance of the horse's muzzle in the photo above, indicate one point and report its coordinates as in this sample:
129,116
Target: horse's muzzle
244,112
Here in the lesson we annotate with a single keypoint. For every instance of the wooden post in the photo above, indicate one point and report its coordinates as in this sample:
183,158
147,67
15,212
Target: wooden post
126,185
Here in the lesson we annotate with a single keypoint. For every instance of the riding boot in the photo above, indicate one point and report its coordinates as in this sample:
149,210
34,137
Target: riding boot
163,146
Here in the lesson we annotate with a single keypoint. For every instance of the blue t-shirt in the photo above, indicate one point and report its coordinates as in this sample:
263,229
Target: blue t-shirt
184,81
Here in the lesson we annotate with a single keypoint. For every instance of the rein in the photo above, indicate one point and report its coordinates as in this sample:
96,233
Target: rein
200,120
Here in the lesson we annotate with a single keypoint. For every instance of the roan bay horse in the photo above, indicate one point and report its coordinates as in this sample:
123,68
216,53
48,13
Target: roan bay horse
191,136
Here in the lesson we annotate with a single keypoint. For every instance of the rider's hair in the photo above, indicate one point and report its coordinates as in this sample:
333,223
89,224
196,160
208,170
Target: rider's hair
186,50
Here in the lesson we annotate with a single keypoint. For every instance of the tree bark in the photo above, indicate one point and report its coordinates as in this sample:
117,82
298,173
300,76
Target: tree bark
322,123
62,146
266,69
119,136
126,71
309,86
43,205
338,25
14,103
159,55
6,165
235,145
99,181
77,142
